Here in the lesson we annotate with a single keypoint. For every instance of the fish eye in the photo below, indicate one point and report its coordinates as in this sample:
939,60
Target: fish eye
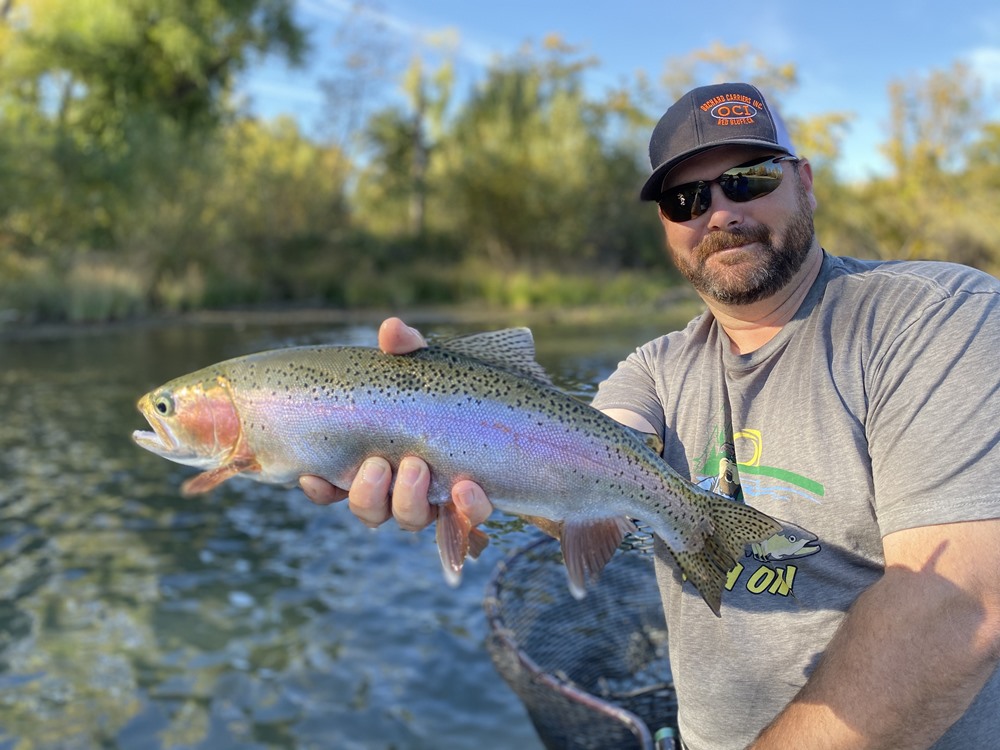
164,405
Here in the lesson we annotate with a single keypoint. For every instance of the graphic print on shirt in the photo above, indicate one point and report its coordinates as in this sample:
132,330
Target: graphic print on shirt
719,471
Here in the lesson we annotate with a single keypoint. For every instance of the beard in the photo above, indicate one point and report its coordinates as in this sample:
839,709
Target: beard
750,276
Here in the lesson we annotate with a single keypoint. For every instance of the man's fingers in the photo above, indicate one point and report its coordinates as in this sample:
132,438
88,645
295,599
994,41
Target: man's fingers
370,499
395,337
410,506
471,501
320,491
369,496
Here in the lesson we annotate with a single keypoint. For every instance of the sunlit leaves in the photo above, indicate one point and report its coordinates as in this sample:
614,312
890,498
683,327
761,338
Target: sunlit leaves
124,163
932,121
173,57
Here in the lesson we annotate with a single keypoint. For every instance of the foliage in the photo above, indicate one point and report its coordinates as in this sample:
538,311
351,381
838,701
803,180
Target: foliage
132,185
936,202
527,173
105,60
718,64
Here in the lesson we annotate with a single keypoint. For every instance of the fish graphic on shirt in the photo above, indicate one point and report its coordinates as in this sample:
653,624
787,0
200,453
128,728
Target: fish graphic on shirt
792,542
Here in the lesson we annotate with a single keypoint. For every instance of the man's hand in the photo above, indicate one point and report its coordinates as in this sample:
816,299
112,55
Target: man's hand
369,497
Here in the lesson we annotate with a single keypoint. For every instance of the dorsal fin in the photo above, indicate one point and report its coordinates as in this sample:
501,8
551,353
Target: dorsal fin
510,348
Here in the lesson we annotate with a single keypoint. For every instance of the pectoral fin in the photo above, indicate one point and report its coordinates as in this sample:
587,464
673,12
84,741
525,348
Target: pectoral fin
209,480
587,546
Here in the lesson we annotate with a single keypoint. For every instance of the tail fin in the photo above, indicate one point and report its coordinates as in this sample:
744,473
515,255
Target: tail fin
729,527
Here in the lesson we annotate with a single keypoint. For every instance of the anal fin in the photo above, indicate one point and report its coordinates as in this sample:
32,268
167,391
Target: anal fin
587,546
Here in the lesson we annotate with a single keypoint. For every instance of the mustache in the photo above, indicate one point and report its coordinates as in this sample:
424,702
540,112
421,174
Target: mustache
725,239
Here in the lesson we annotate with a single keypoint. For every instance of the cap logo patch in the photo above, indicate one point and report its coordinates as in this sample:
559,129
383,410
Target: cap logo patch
732,109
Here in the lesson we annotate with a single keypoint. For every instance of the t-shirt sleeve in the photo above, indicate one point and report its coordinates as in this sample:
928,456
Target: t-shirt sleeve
934,416
633,386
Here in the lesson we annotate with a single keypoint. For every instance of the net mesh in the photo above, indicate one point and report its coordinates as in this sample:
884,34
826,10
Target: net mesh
591,673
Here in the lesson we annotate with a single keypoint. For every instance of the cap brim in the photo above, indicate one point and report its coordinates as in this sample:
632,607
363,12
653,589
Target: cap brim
654,185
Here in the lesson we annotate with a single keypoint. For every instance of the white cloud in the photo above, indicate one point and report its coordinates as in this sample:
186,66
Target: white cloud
985,63
444,37
283,92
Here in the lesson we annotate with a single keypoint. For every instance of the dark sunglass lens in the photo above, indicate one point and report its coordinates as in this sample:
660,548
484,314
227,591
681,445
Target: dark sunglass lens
746,183
684,202
703,200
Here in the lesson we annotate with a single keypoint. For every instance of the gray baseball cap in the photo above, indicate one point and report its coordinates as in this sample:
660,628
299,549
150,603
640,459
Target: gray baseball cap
710,116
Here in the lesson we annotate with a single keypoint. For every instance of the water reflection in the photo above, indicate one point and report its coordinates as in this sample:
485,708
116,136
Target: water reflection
133,618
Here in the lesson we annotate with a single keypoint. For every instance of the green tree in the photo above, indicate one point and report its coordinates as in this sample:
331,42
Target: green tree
932,121
107,109
106,59
401,143
114,92
279,201
924,207
527,171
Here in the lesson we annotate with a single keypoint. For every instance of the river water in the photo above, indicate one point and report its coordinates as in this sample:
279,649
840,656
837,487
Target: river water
131,617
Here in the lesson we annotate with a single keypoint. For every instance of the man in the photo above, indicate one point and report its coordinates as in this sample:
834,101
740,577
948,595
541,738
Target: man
855,401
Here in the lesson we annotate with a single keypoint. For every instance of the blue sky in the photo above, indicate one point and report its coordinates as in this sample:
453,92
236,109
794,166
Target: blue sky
846,52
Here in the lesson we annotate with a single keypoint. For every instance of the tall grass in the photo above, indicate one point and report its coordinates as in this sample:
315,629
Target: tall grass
96,290
35,289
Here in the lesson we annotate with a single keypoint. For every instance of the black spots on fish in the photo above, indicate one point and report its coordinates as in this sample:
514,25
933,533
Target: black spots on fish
251,368
394,376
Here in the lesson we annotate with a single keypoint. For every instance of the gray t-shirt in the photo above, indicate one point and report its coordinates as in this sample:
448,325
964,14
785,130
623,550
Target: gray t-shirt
874,410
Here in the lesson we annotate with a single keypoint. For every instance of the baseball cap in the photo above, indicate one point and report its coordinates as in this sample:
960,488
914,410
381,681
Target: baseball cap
710,116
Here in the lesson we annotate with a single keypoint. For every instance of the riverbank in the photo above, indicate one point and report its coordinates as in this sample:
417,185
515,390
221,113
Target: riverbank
676,303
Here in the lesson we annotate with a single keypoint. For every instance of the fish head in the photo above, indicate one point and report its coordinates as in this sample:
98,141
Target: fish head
194,422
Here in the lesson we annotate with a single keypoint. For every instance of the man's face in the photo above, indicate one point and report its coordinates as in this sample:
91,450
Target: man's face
740,253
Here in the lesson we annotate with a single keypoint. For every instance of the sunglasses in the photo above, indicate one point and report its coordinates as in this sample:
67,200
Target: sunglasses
743,183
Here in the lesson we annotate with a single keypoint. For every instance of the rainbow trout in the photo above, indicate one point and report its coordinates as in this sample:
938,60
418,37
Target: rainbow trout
474,407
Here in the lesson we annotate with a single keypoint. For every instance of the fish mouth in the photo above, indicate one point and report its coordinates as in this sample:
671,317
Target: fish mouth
160,440
152,441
